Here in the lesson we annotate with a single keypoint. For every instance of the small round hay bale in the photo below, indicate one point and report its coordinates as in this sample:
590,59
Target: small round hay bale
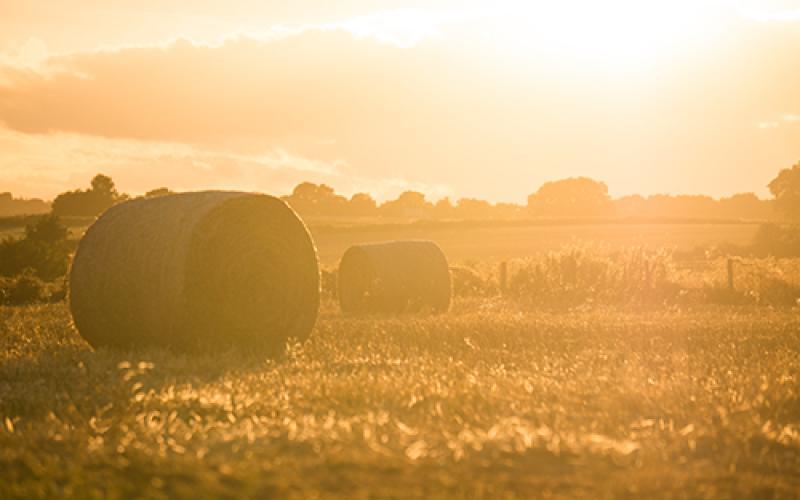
196,270
394,277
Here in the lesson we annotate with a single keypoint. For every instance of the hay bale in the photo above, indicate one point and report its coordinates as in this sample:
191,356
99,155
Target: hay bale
196,270
394,277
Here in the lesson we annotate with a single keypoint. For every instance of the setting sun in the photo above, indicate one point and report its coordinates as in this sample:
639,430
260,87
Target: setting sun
399,249
617,33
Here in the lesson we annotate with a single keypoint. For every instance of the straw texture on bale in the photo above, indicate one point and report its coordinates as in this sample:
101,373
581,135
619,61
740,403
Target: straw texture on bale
394,277
196,270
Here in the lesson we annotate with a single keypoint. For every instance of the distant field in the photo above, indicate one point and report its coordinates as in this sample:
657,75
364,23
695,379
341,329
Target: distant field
488,401
506,242
489,242
15,226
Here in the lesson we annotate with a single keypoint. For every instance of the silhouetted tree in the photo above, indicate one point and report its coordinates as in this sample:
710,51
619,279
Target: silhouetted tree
444,209
507,210
312,199
682,205
99,197
408,204
786,189
634,205
155,193
17,206
578,196
742,205
362,204
472,208
746,206
104,186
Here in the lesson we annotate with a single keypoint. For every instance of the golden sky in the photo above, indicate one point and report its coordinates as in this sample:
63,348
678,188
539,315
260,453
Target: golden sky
480,99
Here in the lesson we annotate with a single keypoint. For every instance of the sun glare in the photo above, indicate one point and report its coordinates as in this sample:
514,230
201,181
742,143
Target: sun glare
617,33
403,28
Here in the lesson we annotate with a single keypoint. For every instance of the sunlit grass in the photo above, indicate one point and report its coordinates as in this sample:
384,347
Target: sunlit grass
486,400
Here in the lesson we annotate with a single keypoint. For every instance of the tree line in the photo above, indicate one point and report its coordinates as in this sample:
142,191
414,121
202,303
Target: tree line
573,197
11,206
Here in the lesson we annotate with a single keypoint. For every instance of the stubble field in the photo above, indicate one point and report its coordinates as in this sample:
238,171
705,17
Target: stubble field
490,400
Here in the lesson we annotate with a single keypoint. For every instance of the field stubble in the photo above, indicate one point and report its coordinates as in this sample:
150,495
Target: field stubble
493,399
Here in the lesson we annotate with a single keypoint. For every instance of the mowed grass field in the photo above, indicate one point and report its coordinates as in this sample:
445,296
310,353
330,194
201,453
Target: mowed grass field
489,400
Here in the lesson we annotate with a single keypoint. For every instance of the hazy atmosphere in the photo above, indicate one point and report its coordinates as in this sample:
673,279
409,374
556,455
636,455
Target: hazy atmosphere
485,99
400,249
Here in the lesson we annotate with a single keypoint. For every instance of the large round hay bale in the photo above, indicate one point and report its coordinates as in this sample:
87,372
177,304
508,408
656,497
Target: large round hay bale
394,277
196,270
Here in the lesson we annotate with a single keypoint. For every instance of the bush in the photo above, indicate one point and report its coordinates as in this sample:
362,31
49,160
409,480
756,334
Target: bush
777,241
469,282
578,276
44,249
23,289
27,288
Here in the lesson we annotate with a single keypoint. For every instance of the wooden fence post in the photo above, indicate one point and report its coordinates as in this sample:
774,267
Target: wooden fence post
503,277
730,274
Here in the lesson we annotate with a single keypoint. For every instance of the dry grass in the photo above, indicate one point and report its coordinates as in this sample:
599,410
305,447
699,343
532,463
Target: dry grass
487,401
585,277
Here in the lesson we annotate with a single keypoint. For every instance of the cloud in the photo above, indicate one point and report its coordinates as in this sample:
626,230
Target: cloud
196,93
32,55
264,112
787,119
322,94
403,28
33,165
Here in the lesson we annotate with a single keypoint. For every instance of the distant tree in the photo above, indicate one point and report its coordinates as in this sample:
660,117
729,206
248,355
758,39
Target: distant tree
412,199
408,204
18,206
746,206
98,198
631,206
317,199
682,206
104,186
507,210
444,209
578,196
786,190
742,205
362,204
44,249
155,193
472,208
